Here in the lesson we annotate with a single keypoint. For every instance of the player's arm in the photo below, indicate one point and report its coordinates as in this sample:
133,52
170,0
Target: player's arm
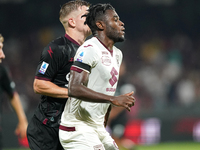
22,124
77,88
8,87
49,89
52,57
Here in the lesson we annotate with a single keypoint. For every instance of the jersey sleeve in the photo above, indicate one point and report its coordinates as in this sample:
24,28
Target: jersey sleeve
50,61
87,57
6,83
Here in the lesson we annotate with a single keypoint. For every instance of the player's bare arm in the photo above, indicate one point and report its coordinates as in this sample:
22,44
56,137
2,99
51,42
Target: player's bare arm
22,120
49,89
78,89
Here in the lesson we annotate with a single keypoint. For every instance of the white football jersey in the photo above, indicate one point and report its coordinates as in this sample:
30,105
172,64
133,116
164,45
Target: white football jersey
103,78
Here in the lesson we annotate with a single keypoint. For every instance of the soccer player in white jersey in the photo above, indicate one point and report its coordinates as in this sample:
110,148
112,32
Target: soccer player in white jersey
93,82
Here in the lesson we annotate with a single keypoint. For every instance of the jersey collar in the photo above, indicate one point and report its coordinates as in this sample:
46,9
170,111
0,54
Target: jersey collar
111,51
72,40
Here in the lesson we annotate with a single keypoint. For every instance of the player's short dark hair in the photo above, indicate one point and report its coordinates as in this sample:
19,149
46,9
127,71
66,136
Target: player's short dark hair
97,13
70,6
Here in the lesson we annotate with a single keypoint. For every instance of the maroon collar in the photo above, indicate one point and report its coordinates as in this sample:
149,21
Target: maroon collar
111,51
72,40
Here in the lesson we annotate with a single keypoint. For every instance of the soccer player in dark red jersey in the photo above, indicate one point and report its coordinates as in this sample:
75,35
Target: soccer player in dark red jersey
8,86
52,74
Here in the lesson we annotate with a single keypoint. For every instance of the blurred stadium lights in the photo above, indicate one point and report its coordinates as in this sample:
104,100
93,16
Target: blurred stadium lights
146,131
196,132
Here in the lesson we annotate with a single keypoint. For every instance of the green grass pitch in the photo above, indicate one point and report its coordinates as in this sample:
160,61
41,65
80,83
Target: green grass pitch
168,146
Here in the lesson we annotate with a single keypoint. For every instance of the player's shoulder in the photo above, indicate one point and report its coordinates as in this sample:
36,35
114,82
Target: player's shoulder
90,44
56,45
87,45
117,50
89,49
57,42
3,70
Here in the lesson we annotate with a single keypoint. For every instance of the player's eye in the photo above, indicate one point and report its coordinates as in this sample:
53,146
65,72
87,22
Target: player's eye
116,19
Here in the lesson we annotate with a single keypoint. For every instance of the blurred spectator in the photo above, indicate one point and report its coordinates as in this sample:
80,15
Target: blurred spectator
155,66
8,86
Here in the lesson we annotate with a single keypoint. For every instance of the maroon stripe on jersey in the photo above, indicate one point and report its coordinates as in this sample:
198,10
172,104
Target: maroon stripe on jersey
42,78
76,69
72,40
67,128
111,51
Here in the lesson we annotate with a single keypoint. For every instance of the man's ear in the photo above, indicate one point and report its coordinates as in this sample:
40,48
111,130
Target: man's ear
100,25
72,22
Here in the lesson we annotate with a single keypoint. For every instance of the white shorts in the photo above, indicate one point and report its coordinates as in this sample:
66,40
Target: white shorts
86,138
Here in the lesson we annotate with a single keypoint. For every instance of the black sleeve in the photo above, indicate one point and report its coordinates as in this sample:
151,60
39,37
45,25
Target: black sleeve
82,65
6,83
50,62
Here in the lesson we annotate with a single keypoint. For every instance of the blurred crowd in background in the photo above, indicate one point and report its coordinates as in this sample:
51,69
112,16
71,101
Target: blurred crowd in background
161,52
163,71
161,57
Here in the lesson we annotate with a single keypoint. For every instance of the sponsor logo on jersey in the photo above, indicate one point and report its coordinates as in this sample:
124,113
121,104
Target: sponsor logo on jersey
106,60
104,53
43,67
110,89
114,78
80,57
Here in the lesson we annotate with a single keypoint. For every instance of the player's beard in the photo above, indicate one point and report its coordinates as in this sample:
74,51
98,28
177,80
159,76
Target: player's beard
113,34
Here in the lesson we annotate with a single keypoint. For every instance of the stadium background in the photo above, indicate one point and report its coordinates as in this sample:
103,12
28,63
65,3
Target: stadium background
161,63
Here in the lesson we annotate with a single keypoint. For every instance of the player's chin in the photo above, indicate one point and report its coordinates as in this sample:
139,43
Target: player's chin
123,35
121,39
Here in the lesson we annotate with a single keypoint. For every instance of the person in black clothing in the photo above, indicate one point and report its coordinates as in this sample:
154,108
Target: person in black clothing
8,86
52,75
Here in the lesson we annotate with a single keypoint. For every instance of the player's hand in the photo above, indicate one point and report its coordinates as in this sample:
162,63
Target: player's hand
127,101
21,129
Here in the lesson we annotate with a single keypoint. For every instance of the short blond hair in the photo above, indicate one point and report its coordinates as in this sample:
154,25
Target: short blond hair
69,7
1,38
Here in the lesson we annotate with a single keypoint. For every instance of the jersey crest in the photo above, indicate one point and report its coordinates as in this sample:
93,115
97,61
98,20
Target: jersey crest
106,60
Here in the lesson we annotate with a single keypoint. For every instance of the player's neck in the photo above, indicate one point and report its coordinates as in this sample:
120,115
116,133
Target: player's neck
77,36
105,40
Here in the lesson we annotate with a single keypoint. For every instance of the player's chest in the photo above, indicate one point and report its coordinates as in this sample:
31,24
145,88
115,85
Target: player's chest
108,65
